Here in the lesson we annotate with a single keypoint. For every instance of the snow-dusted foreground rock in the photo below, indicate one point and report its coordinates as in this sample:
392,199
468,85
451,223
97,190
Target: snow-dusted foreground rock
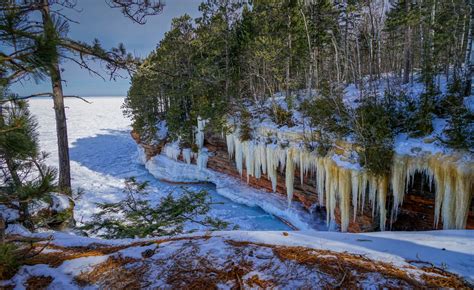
254,259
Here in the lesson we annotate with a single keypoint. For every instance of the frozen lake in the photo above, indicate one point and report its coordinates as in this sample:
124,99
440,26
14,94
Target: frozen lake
103,154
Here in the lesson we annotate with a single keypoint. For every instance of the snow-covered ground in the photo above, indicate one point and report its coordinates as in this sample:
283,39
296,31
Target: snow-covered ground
103,154
373,259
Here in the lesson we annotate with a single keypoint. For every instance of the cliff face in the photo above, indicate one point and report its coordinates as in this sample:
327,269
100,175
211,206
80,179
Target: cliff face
304,192
416,213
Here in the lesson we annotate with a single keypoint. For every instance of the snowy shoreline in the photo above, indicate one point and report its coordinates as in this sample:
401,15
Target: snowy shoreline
164,168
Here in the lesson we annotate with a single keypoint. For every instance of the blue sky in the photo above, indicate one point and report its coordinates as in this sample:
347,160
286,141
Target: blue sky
97,20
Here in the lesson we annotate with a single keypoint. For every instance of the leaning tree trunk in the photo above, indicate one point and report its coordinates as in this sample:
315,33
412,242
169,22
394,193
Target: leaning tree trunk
60,114
61,130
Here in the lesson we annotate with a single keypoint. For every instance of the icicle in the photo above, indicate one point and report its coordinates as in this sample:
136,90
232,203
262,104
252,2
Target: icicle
200,132
450,177
248,154
272,164
172,151
344,192
363,191
281,155
439,193
398,184
464,196
356,188
260,159
290,174
320,179
304,163
372,192
331,188
263,157
202,159
187,155
382,199
238,155
230,144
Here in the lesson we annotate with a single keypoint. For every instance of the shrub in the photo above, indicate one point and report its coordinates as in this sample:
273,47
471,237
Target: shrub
420,122
460,130
136,217
9,260
324,143
328,114
373,130
245,127
282,117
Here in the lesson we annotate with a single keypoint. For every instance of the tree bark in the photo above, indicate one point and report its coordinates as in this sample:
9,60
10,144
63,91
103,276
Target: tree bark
469,61
60,114
3,226
61,130
407,52
288,59
309,81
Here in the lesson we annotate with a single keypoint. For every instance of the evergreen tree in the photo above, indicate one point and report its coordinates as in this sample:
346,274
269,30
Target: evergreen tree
25,177
33,47
239,54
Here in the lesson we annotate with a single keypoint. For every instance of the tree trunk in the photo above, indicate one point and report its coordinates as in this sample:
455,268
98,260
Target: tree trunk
469,60
309,81
61,126
407,52
288,59
61,130
3,226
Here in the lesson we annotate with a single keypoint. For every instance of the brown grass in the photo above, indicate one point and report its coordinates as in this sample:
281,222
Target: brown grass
38,282
341,265
55,259
112,274
192,271
255,282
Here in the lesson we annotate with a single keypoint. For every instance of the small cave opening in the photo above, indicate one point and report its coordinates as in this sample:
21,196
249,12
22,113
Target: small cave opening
417,212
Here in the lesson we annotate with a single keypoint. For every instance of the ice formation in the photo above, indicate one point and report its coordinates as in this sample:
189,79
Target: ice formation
202,155
172,150
230,145
201,123
289,174
202,158
187,155
343,186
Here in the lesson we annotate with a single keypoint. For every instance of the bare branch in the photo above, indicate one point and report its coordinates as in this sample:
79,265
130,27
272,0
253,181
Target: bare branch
138,10
42,95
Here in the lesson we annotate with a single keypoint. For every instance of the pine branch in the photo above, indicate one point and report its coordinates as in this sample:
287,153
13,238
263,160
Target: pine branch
138,10
41,95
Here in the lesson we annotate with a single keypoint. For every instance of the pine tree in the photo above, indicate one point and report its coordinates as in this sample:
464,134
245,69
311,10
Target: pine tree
35,48
25,177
